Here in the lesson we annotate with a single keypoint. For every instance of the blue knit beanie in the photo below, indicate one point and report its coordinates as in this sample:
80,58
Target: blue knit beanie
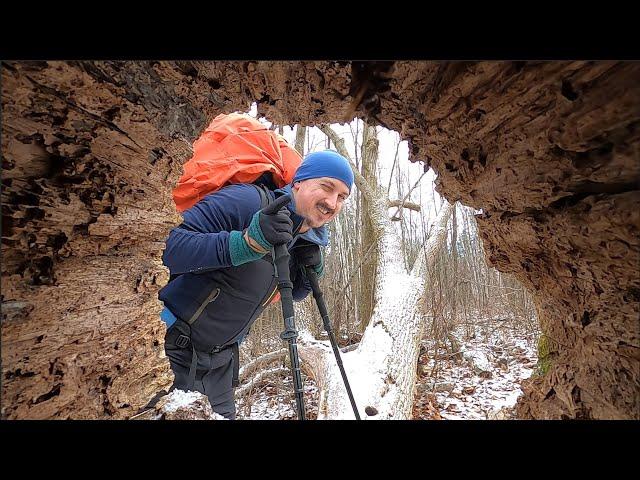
327,163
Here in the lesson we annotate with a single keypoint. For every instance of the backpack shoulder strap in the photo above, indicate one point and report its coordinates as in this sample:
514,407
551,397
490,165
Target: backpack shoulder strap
264,196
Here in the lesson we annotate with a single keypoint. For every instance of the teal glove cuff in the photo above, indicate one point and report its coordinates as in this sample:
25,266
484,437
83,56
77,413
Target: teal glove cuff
239,251
256,233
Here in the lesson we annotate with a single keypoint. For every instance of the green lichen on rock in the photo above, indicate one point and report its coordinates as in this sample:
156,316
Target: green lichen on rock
544,355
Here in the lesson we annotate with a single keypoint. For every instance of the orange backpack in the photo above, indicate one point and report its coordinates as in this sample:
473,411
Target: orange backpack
235,148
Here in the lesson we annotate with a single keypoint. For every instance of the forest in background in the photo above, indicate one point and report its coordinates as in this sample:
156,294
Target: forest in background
471,310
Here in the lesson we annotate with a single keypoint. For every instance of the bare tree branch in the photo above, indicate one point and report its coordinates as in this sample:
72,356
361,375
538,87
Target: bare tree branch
261,361
401,204
244,389
395,159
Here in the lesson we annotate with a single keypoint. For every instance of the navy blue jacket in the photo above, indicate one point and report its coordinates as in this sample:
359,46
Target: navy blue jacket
218,300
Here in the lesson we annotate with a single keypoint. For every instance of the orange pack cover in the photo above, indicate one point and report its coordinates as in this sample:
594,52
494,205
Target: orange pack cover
235,148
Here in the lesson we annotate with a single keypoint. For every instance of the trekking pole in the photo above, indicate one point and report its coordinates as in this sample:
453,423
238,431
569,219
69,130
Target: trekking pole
322,307
281,264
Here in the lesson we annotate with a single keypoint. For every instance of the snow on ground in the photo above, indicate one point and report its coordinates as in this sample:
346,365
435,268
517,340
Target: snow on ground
180,399
485,382
274,399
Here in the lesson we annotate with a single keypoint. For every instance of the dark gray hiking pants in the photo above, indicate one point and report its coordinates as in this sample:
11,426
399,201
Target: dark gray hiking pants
214,373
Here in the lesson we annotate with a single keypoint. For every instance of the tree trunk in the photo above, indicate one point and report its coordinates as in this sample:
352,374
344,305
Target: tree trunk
301,132
382,370
383,367
369,233
89,150
455,346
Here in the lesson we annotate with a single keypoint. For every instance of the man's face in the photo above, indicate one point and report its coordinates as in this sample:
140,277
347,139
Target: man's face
319,200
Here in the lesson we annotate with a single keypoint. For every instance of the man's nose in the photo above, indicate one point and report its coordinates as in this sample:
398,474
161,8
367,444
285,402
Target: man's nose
332,202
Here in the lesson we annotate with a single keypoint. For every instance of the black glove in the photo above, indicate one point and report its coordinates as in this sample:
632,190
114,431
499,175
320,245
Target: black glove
309,256
273,225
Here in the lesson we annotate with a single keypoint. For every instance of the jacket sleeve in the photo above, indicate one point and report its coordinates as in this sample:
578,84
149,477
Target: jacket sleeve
201,242
188,251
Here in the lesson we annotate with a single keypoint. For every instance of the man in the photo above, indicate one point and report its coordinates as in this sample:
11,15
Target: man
222,273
